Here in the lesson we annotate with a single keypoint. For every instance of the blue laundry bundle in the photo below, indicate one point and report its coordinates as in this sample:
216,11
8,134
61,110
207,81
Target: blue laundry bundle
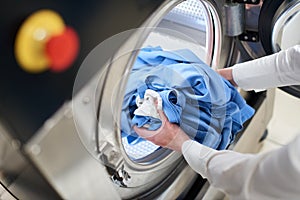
205,105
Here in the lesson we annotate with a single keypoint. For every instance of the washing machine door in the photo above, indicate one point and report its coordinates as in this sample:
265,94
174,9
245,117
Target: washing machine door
278,28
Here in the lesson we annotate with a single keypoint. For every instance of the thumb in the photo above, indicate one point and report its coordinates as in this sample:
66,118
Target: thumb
162,115
160,111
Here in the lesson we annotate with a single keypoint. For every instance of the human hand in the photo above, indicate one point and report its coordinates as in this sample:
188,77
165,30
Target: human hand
227,74
169,135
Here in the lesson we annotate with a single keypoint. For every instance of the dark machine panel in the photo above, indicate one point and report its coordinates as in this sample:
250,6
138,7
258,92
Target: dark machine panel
27,100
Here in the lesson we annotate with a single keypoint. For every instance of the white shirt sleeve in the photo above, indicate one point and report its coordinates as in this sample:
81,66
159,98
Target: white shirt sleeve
272,175
279,69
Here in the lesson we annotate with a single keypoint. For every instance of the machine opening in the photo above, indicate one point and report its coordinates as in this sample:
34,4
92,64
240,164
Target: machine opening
188,25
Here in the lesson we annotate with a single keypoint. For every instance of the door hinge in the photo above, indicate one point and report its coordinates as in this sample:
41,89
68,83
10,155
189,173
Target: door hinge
113,160
247,1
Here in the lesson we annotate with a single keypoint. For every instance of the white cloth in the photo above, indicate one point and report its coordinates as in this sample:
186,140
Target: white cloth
146,106
273,175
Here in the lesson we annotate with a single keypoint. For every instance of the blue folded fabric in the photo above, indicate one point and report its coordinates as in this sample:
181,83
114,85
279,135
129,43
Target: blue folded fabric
205,105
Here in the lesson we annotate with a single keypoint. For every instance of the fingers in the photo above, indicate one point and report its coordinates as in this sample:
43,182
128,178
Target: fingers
143,132
147,134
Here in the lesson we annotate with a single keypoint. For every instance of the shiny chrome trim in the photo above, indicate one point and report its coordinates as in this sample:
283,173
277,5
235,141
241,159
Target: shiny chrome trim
283,16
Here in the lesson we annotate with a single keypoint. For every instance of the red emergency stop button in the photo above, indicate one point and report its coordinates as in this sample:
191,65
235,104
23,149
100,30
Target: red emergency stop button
44,42
62,50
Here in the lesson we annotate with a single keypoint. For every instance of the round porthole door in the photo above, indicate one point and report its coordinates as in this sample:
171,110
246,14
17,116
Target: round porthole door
138,168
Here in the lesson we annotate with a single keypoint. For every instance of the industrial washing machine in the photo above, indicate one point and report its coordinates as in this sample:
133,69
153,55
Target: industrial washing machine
60,128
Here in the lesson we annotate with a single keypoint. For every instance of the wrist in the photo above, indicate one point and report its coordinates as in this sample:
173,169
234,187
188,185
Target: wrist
178,141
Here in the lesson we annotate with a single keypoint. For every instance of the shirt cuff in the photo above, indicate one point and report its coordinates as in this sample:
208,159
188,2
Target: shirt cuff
197,156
